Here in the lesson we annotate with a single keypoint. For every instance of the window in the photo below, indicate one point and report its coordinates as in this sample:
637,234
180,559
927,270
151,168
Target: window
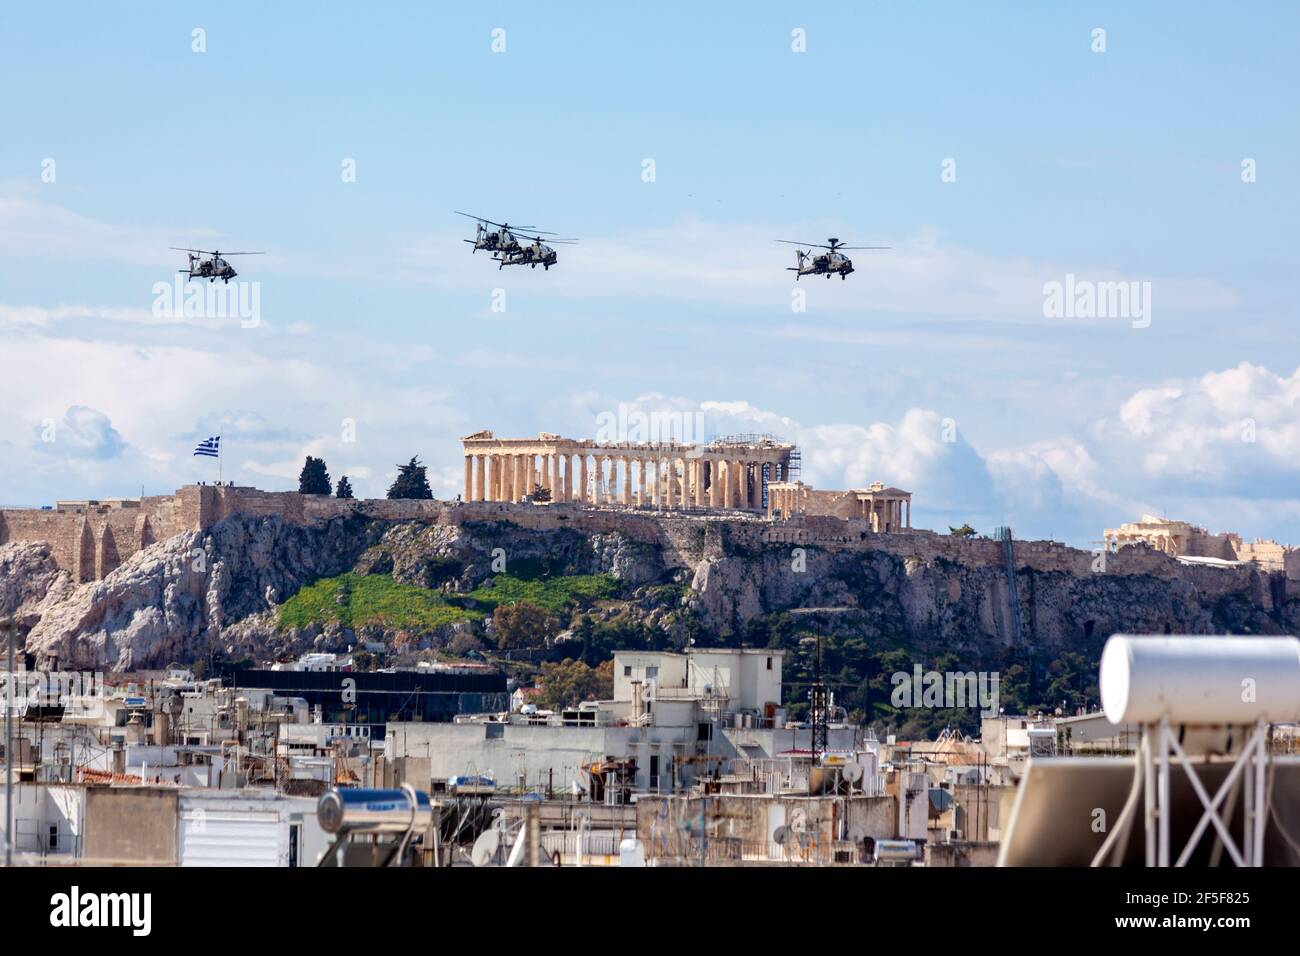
654,771
704,731
627,670
294,833
769,663
54,837
652,673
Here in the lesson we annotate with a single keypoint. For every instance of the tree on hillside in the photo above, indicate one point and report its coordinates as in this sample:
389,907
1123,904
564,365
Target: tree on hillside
411,481
965,531
570,682
344,489
314,479
521,625
540,494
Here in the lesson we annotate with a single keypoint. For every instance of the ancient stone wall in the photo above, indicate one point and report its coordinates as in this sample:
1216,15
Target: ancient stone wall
91,539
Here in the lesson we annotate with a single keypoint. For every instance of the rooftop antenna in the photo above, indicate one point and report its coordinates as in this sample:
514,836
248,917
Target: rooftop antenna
818,695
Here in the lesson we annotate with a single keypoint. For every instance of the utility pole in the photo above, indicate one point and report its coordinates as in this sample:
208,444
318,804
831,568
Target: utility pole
8,627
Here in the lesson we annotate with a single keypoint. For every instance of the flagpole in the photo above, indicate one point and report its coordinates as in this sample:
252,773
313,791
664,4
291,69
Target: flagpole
219,460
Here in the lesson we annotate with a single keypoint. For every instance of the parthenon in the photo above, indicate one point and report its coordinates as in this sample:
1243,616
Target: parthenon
745,472
730,473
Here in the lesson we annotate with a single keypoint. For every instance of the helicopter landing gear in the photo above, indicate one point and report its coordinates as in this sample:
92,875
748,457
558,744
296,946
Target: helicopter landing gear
843,276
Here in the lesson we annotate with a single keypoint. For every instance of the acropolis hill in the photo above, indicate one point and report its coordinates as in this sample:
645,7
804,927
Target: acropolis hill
722,540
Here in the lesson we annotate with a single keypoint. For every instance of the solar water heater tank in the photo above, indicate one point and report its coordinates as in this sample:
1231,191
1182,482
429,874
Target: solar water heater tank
1200,680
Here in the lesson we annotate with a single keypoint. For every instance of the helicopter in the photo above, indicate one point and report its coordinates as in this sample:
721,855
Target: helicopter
499,240
826,263
535,254
212,268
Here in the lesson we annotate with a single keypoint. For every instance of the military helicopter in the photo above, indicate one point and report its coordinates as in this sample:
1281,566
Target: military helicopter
824,263
535,254
499,240
212,268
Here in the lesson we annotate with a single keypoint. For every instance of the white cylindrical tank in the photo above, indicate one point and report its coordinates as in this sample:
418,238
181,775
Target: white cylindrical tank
631,853
1200,680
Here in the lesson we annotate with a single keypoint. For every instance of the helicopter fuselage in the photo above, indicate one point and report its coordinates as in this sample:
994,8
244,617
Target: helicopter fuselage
827,264
494,240
210,269
535,254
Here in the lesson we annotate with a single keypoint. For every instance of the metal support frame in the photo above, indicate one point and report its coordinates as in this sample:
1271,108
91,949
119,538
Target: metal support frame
9,703
1159,742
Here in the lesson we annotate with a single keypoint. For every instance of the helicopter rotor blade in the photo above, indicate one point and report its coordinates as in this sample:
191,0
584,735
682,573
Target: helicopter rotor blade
812,245
538,237
185,249
513,227
243,254
479,218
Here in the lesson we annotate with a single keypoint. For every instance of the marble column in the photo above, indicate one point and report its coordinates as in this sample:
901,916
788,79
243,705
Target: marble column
640,488
557,493
670,479
583,495
908,519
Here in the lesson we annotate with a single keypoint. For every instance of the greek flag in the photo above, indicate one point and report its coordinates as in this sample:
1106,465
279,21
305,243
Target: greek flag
210,448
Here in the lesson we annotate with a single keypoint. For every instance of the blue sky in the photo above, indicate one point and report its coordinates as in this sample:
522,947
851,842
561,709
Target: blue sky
1119,165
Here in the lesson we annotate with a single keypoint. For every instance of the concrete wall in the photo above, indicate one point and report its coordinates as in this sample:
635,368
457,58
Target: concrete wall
962,854
40,808
540,753
130,825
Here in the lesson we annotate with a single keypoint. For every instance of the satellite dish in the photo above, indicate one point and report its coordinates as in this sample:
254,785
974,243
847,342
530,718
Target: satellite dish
485,847
852,772
780,835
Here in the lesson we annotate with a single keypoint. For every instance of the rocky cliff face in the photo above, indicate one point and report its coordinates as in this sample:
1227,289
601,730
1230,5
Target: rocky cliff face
174,599
182,597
